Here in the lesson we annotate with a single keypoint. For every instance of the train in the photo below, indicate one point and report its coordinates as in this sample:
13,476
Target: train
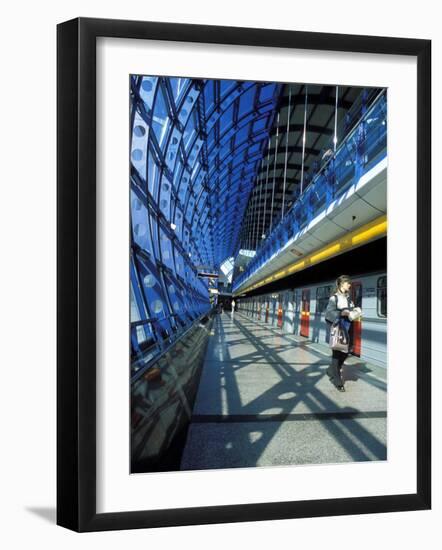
301,310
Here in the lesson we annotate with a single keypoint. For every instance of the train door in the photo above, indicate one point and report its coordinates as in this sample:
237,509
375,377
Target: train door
280,311
285,311
297,312
305,312
272,310
356,326
290,309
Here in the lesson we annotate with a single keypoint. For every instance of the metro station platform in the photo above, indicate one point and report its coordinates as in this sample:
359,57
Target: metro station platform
264,399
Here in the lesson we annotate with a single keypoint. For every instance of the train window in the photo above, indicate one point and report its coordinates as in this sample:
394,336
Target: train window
356,294
323,293
382,297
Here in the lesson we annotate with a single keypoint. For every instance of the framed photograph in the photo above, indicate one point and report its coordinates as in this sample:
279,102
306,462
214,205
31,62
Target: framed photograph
235,206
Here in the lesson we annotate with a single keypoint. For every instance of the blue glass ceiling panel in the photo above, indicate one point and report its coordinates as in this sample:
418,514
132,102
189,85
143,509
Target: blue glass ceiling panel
227,86
196,147
242,135
226,120
190,130
172,151
178,86
160,121
267,92
209,96
246,102
152,174
260,124
140,223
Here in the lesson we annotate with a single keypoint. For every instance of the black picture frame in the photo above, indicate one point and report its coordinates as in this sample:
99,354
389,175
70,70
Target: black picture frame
76,273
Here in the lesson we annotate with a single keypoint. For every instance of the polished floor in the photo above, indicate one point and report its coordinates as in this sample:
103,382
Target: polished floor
264,399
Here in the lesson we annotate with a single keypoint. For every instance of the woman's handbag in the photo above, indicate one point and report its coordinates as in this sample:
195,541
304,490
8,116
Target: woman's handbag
339,337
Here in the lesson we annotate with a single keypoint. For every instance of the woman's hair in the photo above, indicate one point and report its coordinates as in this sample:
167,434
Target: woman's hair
340,280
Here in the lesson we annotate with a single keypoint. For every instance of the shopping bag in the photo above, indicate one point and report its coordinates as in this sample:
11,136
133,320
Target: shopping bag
339,337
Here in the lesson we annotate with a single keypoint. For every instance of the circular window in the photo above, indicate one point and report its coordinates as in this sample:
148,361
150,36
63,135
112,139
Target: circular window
140,230
146,85
164,203
137,154
139,131
137,204
157,306
149,280
176,306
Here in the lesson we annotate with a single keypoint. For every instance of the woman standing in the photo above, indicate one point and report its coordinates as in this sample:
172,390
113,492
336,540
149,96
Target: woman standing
340,306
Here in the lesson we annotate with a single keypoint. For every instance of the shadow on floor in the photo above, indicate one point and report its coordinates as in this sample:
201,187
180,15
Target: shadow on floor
237,447
48,514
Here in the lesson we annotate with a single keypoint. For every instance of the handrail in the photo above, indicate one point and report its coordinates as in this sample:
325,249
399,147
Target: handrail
343,142
332,157
155,359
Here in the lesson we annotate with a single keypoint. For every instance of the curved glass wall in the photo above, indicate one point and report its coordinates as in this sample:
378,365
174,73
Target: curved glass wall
195,150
